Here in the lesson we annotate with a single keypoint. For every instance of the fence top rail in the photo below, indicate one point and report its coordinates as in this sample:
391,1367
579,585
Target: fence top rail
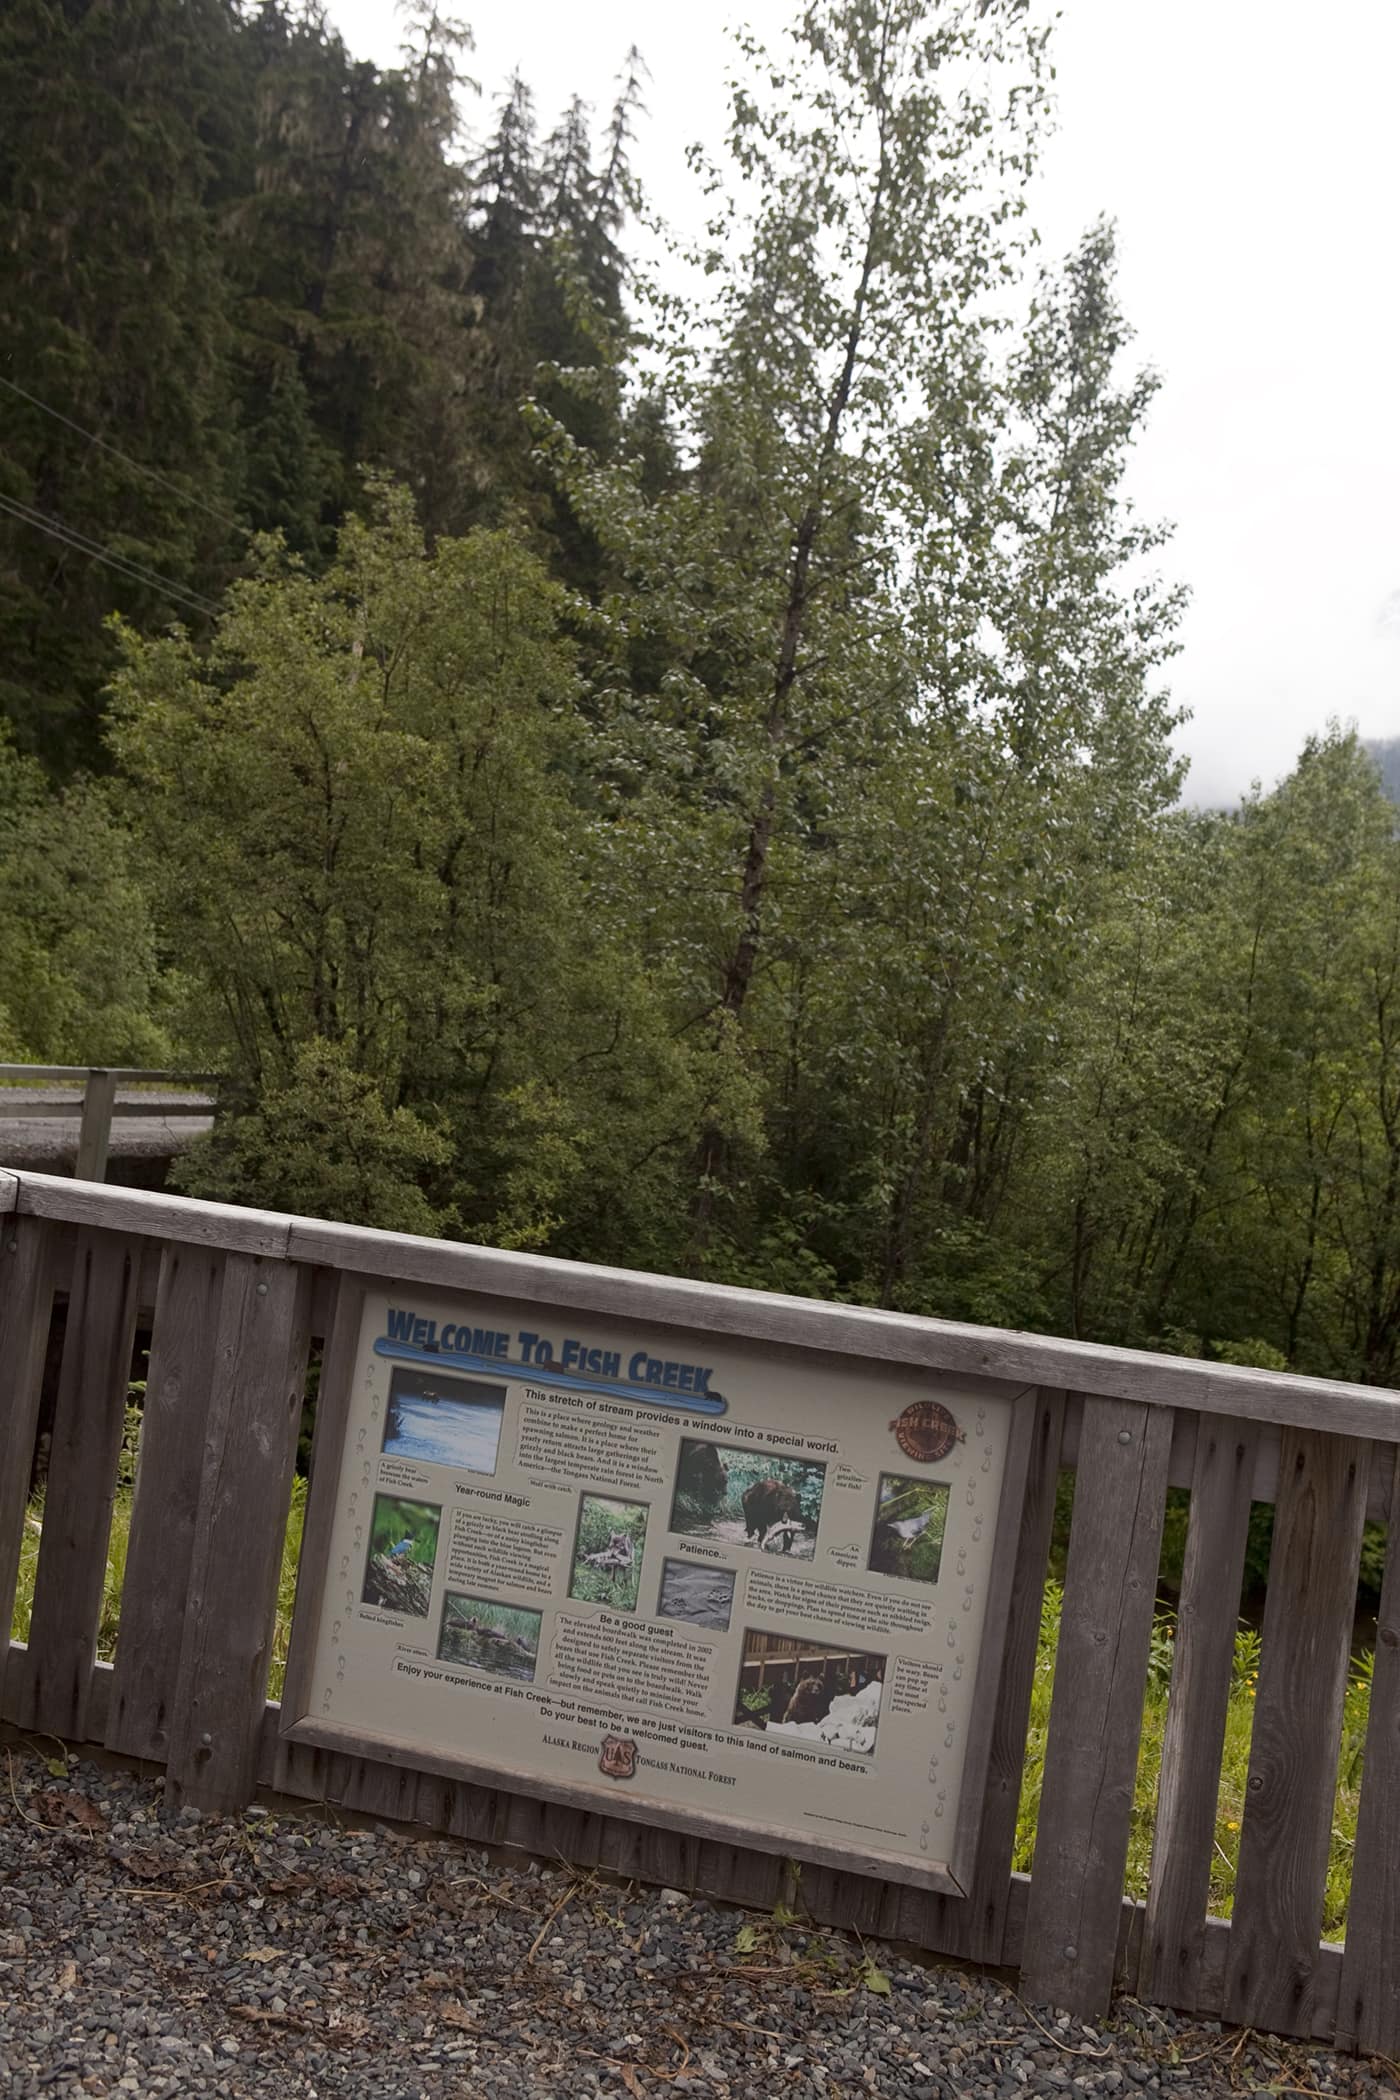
848,1330
126,1075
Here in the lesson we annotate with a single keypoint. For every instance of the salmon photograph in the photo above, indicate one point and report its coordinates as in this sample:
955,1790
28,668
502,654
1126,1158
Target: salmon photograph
747,1498
910,1519
501,1639
443,1421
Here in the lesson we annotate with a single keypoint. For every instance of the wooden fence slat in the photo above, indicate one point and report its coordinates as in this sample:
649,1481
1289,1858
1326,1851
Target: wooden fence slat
1096,1711
670,1857
1368,2015
52,1696
1292,1785
26,1302
333,1397
154,1596
974,1928
1202,1668
255,1400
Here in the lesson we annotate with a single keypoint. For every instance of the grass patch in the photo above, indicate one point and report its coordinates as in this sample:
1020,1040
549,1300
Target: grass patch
1239,1724
115,1577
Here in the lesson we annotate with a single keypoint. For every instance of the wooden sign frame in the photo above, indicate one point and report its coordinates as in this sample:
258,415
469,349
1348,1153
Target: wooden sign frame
642,1301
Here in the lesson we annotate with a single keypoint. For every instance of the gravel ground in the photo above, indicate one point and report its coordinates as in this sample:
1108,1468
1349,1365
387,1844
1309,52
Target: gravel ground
283,1955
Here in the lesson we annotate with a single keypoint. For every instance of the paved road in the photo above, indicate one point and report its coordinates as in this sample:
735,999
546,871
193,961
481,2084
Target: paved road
46,1141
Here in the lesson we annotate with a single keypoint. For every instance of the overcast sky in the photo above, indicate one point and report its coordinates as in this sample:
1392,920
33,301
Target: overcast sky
1249,157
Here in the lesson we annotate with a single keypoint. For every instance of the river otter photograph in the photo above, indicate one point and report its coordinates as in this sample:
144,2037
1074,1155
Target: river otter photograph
747,1498
910,1519
403,1540
608,1548
443,1421
812,1690
502,1639
696,1593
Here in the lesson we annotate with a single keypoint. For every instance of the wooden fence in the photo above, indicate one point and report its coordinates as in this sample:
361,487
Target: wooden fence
235,1301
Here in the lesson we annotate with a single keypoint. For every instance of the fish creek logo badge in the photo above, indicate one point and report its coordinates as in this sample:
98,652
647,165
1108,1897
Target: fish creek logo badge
926,1431
619,1757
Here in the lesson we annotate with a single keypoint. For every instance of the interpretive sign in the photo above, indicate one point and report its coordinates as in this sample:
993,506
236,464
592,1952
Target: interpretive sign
738,1587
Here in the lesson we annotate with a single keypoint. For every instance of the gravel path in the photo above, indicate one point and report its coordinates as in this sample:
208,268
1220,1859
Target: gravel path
283,1955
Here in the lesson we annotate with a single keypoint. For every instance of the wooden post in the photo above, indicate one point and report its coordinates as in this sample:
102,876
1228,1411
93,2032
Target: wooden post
333,1398
974,1928
1086,1802
1276,1924
52,1696
26,1298
1202,1668
1368,2003
155,1594
95,1131
257,1384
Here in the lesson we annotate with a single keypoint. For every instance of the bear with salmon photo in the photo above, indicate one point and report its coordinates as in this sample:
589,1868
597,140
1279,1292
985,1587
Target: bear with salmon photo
747,1498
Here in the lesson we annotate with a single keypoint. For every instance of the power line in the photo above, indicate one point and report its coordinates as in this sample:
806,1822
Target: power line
224,517
81,544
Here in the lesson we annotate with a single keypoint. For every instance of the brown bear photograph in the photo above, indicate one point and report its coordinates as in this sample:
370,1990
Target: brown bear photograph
791,1685
747,1498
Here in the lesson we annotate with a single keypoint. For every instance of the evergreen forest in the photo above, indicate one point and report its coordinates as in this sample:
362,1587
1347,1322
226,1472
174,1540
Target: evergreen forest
656,753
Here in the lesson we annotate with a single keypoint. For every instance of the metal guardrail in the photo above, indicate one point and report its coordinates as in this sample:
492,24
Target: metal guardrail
98,1104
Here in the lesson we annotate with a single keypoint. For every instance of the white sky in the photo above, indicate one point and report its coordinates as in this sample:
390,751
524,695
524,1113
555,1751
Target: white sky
1249,155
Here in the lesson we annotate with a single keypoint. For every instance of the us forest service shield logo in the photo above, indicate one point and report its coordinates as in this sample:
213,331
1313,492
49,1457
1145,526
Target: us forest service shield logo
926,1431
619,1757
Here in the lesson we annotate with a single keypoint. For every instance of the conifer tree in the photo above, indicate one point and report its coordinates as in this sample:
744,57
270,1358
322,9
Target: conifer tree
117,138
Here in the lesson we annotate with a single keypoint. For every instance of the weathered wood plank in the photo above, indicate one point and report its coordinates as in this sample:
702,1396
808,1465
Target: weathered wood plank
583,1795
1028,1421
1212,1574
26,1302
333,1398
1025,1359
856,1902
155,1216
1292,1782
259,1375
953,1346
973,1927
90,1415
370,1788
155,1595
1096,1710
1369,1998
666,1858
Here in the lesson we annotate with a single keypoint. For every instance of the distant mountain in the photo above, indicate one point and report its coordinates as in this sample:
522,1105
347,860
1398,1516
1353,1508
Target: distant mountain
1385,750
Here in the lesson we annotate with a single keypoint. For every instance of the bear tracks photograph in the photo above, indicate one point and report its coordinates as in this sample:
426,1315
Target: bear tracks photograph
747,1498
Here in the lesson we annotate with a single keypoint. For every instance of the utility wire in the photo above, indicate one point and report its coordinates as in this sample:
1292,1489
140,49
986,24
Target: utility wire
224,517
126,564
57,530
